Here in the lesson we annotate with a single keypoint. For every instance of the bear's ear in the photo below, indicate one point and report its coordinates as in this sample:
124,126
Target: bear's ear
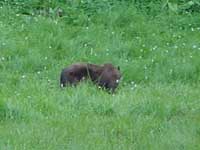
118,67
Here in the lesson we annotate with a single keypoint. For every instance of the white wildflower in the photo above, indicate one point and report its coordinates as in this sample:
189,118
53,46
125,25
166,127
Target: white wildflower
194,46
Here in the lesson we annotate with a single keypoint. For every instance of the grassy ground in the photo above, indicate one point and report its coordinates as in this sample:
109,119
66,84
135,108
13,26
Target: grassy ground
157,104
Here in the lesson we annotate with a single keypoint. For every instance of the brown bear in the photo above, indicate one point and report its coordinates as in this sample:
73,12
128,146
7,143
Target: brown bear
106,76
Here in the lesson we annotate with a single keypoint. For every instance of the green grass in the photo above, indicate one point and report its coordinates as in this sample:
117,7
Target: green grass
157,104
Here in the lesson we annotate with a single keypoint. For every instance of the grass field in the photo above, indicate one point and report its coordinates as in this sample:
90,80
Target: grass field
156,107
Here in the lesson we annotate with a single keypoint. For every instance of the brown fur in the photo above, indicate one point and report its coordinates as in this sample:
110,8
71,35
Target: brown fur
106,76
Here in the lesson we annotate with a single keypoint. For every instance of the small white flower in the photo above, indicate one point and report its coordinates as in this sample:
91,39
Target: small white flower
192,29
38,72
155,47
46,58
50,47
194,46
117,81
2,58
87,28
23,76
175,46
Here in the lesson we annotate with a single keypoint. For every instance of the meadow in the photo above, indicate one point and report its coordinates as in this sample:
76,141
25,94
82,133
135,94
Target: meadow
156,106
